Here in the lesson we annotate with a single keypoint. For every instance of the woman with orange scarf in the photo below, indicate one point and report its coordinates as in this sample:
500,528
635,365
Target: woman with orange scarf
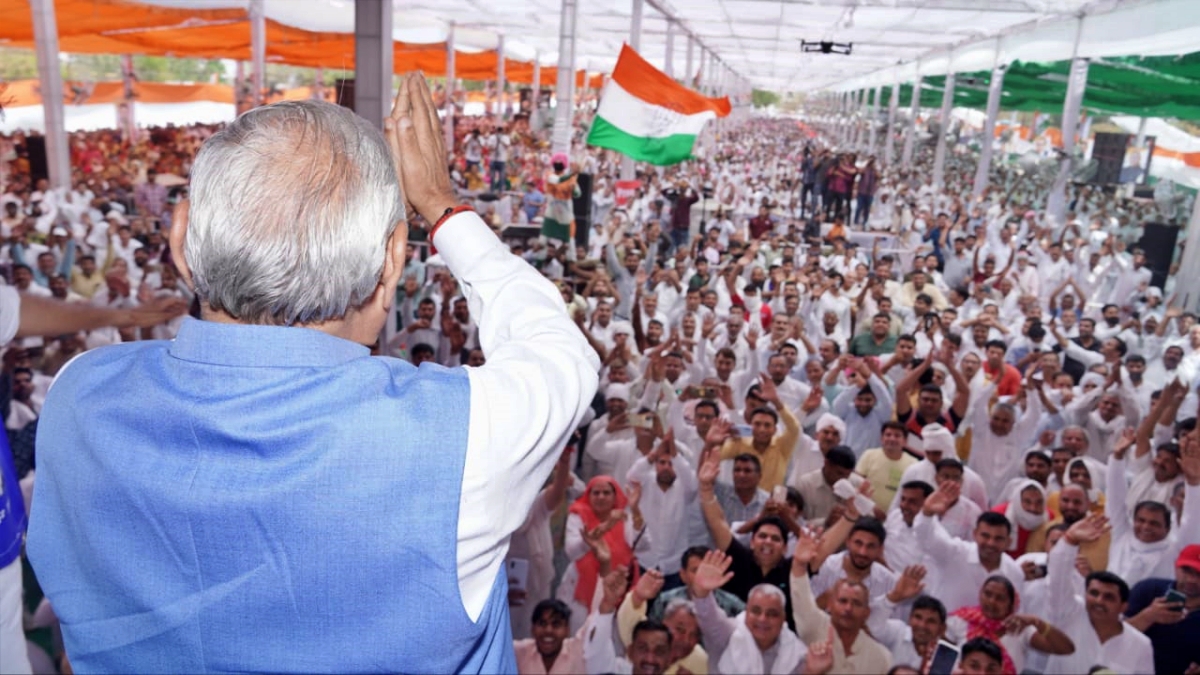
600,535
995,618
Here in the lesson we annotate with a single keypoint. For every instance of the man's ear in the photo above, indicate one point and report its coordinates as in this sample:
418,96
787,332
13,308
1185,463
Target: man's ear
178,234
395,256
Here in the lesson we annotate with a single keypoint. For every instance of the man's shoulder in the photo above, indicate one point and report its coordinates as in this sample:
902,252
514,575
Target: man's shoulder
1149,588
89,364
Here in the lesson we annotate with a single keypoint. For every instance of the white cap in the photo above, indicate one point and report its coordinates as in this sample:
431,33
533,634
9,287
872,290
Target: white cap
617,391
938,439
830,420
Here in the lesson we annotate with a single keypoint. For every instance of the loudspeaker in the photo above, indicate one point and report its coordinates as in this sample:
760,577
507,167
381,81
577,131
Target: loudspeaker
345,94
1109,152
1158,242
583,209
35,146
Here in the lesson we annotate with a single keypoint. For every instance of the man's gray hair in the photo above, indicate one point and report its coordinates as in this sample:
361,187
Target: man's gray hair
291,208
769,590
678,605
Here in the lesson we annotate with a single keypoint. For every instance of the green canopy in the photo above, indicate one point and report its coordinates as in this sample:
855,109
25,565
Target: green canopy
1160,86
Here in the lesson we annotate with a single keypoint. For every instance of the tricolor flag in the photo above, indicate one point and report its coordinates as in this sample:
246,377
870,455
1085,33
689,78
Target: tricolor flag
648,116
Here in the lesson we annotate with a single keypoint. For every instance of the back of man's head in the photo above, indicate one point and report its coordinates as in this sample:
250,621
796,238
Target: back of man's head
291,209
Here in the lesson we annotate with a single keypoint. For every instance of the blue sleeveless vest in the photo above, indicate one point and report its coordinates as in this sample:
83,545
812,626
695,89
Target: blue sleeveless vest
12,506
258,499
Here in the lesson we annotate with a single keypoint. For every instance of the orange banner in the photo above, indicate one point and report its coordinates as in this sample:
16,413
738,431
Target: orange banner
120,27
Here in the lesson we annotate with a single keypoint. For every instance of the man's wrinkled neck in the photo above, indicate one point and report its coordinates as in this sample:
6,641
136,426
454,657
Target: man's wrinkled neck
343,328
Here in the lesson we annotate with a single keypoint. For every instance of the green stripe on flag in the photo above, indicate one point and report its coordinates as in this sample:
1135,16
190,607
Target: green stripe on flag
661,151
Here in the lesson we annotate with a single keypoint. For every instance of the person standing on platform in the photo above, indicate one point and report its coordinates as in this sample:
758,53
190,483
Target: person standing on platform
271,492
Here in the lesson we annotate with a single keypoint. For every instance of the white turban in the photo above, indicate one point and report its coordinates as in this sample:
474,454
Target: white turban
617,391
829,420
622,327
938,437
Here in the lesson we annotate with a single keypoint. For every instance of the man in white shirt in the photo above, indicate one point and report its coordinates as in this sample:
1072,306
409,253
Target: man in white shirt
668,488
998,436
861,562
649,653
962,515
612,444
937,442
963,566
904,548
1093,621
1146,545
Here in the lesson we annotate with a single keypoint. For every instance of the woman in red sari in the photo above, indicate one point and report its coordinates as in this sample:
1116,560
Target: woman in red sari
995,618
603,529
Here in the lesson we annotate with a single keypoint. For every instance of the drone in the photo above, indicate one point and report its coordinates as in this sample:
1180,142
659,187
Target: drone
826,47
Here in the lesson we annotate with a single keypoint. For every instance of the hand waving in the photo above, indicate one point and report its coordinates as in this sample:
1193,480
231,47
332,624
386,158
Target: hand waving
820,655
712,574
1089,529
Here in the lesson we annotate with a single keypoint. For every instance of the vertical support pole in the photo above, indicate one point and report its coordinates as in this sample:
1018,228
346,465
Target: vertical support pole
565,80
125,113
258,50
1056,203
534,112
987,143
871,117
1189,294
691,47
635,41
501,84
669,57
939,152
448,120
45,30
889,142
911,137
373,52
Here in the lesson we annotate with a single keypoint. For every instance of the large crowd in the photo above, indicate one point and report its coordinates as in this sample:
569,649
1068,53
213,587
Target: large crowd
850,420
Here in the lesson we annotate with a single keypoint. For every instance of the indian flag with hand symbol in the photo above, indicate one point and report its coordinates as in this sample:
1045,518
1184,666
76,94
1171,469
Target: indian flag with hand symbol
646,115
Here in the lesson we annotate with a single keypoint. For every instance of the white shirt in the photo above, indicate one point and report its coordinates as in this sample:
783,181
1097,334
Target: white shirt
665,512
999,459
902,548
879,581
608,454
1128,653
598,652
925,471
959,519
538,383
1134,560
960,571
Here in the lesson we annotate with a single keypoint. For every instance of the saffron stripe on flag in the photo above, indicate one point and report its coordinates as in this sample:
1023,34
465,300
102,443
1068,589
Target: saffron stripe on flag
641,79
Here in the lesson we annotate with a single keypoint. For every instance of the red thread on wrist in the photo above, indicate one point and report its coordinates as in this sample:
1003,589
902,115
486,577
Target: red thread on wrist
450,212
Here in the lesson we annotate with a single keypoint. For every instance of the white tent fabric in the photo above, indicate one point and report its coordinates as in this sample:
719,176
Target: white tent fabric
760,39
104,116
1104,28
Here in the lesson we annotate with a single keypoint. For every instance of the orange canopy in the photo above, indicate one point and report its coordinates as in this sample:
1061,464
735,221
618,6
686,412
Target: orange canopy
122,27
28,92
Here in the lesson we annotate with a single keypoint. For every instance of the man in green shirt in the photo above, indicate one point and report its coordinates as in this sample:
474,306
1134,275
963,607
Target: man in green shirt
876,341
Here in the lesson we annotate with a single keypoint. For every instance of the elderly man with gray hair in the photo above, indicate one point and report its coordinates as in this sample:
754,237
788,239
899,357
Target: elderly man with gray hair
256,495
756,641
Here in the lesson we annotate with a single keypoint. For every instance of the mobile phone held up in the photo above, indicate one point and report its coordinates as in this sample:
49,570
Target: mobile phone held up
1174,597
642,420
944,658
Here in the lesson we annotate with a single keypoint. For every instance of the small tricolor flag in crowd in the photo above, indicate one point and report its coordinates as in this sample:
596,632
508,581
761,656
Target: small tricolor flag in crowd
648,116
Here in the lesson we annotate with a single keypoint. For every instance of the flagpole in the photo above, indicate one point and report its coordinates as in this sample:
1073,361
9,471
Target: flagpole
635,42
